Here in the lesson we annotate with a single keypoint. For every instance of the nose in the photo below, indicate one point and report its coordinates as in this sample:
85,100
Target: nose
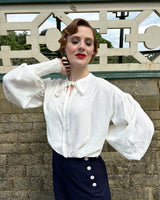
81,46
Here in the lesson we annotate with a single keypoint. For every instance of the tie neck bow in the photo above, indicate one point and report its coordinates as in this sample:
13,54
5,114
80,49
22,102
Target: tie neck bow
67,84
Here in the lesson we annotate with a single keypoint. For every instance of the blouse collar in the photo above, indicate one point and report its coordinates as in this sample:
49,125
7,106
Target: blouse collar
80,85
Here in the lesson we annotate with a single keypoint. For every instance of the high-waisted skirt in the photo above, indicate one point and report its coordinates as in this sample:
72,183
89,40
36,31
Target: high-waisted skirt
80,178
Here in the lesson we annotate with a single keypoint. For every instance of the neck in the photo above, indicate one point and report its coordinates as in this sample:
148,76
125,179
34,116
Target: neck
78,73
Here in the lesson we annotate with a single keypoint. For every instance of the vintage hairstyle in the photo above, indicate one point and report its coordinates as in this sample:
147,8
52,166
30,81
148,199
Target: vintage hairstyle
71,29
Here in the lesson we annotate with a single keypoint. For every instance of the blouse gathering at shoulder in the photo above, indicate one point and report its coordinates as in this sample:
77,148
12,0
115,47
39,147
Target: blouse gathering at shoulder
104,84
50,83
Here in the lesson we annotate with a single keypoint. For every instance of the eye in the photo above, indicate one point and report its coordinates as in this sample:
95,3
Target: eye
75,42
88,43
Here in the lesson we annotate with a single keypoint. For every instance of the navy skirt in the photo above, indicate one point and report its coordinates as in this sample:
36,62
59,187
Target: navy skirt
80,178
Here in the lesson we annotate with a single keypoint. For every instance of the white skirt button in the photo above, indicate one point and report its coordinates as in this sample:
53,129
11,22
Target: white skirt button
92,177
89,168
94,184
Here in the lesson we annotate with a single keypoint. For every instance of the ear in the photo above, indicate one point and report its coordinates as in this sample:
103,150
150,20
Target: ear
64,52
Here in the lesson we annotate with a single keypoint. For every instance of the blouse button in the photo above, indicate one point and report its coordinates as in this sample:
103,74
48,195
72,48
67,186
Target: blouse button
89,168
92,177
86,159
94,184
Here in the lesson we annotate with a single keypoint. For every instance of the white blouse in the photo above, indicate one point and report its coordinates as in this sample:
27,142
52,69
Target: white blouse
78,124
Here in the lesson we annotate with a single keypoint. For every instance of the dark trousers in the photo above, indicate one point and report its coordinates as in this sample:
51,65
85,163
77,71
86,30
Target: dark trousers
80,178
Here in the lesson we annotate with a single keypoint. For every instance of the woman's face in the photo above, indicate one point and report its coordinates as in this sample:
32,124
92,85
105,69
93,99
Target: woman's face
80,47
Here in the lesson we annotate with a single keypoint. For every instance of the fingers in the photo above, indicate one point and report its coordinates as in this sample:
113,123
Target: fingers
66,64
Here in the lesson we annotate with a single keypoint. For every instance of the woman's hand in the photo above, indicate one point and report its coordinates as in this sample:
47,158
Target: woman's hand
65,67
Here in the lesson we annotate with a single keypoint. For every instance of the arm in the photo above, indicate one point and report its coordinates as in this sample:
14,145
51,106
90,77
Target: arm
132,130
24,87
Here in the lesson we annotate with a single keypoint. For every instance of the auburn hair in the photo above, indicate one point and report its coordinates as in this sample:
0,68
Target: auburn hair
71,29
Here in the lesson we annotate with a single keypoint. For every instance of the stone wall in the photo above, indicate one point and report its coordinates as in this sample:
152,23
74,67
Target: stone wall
25,156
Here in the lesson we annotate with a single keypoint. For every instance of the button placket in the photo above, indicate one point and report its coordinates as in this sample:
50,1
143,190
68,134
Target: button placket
91,175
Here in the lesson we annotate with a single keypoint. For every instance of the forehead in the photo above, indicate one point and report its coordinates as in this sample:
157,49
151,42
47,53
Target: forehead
83,31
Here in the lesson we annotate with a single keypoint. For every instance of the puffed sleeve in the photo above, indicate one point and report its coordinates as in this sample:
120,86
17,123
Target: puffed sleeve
132,130
24,86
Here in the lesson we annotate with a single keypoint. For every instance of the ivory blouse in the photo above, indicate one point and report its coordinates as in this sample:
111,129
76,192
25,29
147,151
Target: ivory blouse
78,124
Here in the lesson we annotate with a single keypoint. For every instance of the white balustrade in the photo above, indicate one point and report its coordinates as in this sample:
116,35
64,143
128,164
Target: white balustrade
150,37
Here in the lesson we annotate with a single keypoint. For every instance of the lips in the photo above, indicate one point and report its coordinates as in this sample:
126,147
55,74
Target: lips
80,55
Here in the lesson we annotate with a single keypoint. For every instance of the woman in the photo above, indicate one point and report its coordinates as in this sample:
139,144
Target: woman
78,112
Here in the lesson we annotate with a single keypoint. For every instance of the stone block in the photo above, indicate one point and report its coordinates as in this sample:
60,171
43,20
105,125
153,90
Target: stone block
17,127
138,87
145,180
3,160
5,106
156,135
151,156
2,96
156,124
15,171
47,158
23,148
113,157
148,102
155,146
122,181
1,127
125,168
46,170
32,137
153,168
131,193
154,114
47,183
41,195
19,195
8,148
25,159
145,91
40,147
33,171
27,117
20,184
156,193
5,117
8,138
3,172
5,184
39,127
5,195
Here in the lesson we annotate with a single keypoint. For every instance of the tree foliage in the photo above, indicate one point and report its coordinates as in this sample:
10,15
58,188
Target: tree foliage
15,41
101,40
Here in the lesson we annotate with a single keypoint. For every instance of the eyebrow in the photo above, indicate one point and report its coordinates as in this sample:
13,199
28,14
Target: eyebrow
77,37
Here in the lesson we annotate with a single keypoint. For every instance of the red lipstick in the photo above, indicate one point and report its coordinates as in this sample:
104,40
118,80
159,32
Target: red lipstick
80,55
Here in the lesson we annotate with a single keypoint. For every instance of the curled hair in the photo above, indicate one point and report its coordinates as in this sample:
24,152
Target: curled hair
71,29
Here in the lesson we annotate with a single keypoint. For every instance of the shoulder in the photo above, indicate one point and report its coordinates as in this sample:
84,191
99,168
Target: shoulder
53,83
103,84
106,87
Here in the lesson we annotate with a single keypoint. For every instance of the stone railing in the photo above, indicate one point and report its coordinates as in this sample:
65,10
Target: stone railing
150,37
